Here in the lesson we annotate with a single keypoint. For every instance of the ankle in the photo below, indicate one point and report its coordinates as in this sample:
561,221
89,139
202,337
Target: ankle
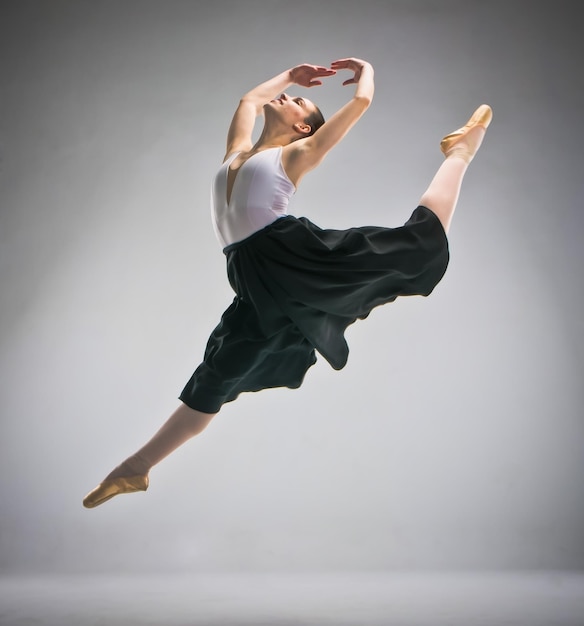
138,464
134,465
460,152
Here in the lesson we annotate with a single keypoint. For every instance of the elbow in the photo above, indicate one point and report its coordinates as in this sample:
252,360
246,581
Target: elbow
249,100
363,100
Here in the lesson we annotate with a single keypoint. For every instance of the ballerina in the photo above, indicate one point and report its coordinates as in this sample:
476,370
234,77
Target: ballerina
298,286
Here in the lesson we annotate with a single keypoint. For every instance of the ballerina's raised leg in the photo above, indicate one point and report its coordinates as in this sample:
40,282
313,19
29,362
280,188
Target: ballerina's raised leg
459,148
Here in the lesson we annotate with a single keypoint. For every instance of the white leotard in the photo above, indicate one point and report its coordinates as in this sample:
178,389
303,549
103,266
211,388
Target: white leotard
259,196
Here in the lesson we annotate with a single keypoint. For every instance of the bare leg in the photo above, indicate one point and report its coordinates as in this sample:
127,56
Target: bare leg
459,148
181,426
442,194
132,474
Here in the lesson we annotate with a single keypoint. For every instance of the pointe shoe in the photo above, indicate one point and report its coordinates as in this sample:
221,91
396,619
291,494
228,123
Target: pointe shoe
112,487
481,117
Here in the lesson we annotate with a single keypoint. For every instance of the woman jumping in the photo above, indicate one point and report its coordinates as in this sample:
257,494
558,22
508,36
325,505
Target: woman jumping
298,287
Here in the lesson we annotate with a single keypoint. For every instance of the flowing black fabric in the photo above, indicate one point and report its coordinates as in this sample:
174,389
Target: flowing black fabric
298,288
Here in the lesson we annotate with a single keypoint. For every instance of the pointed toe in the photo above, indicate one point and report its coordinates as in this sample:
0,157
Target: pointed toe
481,117
113,487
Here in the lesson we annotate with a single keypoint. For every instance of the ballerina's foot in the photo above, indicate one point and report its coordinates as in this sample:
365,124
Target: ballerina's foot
465,141
111,487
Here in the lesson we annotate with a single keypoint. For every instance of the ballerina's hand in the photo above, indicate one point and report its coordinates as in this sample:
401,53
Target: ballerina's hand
307,75
354,65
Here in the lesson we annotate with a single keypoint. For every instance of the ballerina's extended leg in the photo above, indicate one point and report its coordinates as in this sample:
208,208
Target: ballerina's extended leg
459,148
132,475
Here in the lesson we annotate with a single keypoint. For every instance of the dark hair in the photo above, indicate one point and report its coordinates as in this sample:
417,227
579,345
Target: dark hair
315,120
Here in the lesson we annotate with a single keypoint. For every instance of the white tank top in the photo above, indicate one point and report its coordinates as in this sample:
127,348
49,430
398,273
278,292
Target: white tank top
259,196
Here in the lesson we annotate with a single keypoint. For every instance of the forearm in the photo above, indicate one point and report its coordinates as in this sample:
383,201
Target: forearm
268,90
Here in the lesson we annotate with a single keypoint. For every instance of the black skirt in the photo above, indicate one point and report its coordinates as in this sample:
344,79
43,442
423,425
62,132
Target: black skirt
298,288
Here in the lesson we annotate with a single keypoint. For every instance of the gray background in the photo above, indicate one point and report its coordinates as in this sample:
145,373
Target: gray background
454,437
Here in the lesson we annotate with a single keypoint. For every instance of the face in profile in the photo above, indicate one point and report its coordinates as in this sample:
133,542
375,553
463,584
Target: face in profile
293,111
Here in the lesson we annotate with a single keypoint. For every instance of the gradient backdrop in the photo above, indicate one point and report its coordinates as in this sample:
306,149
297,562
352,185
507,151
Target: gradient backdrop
454,438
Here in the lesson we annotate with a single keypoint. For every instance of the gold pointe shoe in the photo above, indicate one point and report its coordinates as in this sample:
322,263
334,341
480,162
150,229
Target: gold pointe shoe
481,117
112,487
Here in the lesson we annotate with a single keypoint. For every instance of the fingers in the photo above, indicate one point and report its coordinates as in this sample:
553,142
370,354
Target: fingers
307,75
324,71
354,65
342,64
318,70
339,64
336,65
311,72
